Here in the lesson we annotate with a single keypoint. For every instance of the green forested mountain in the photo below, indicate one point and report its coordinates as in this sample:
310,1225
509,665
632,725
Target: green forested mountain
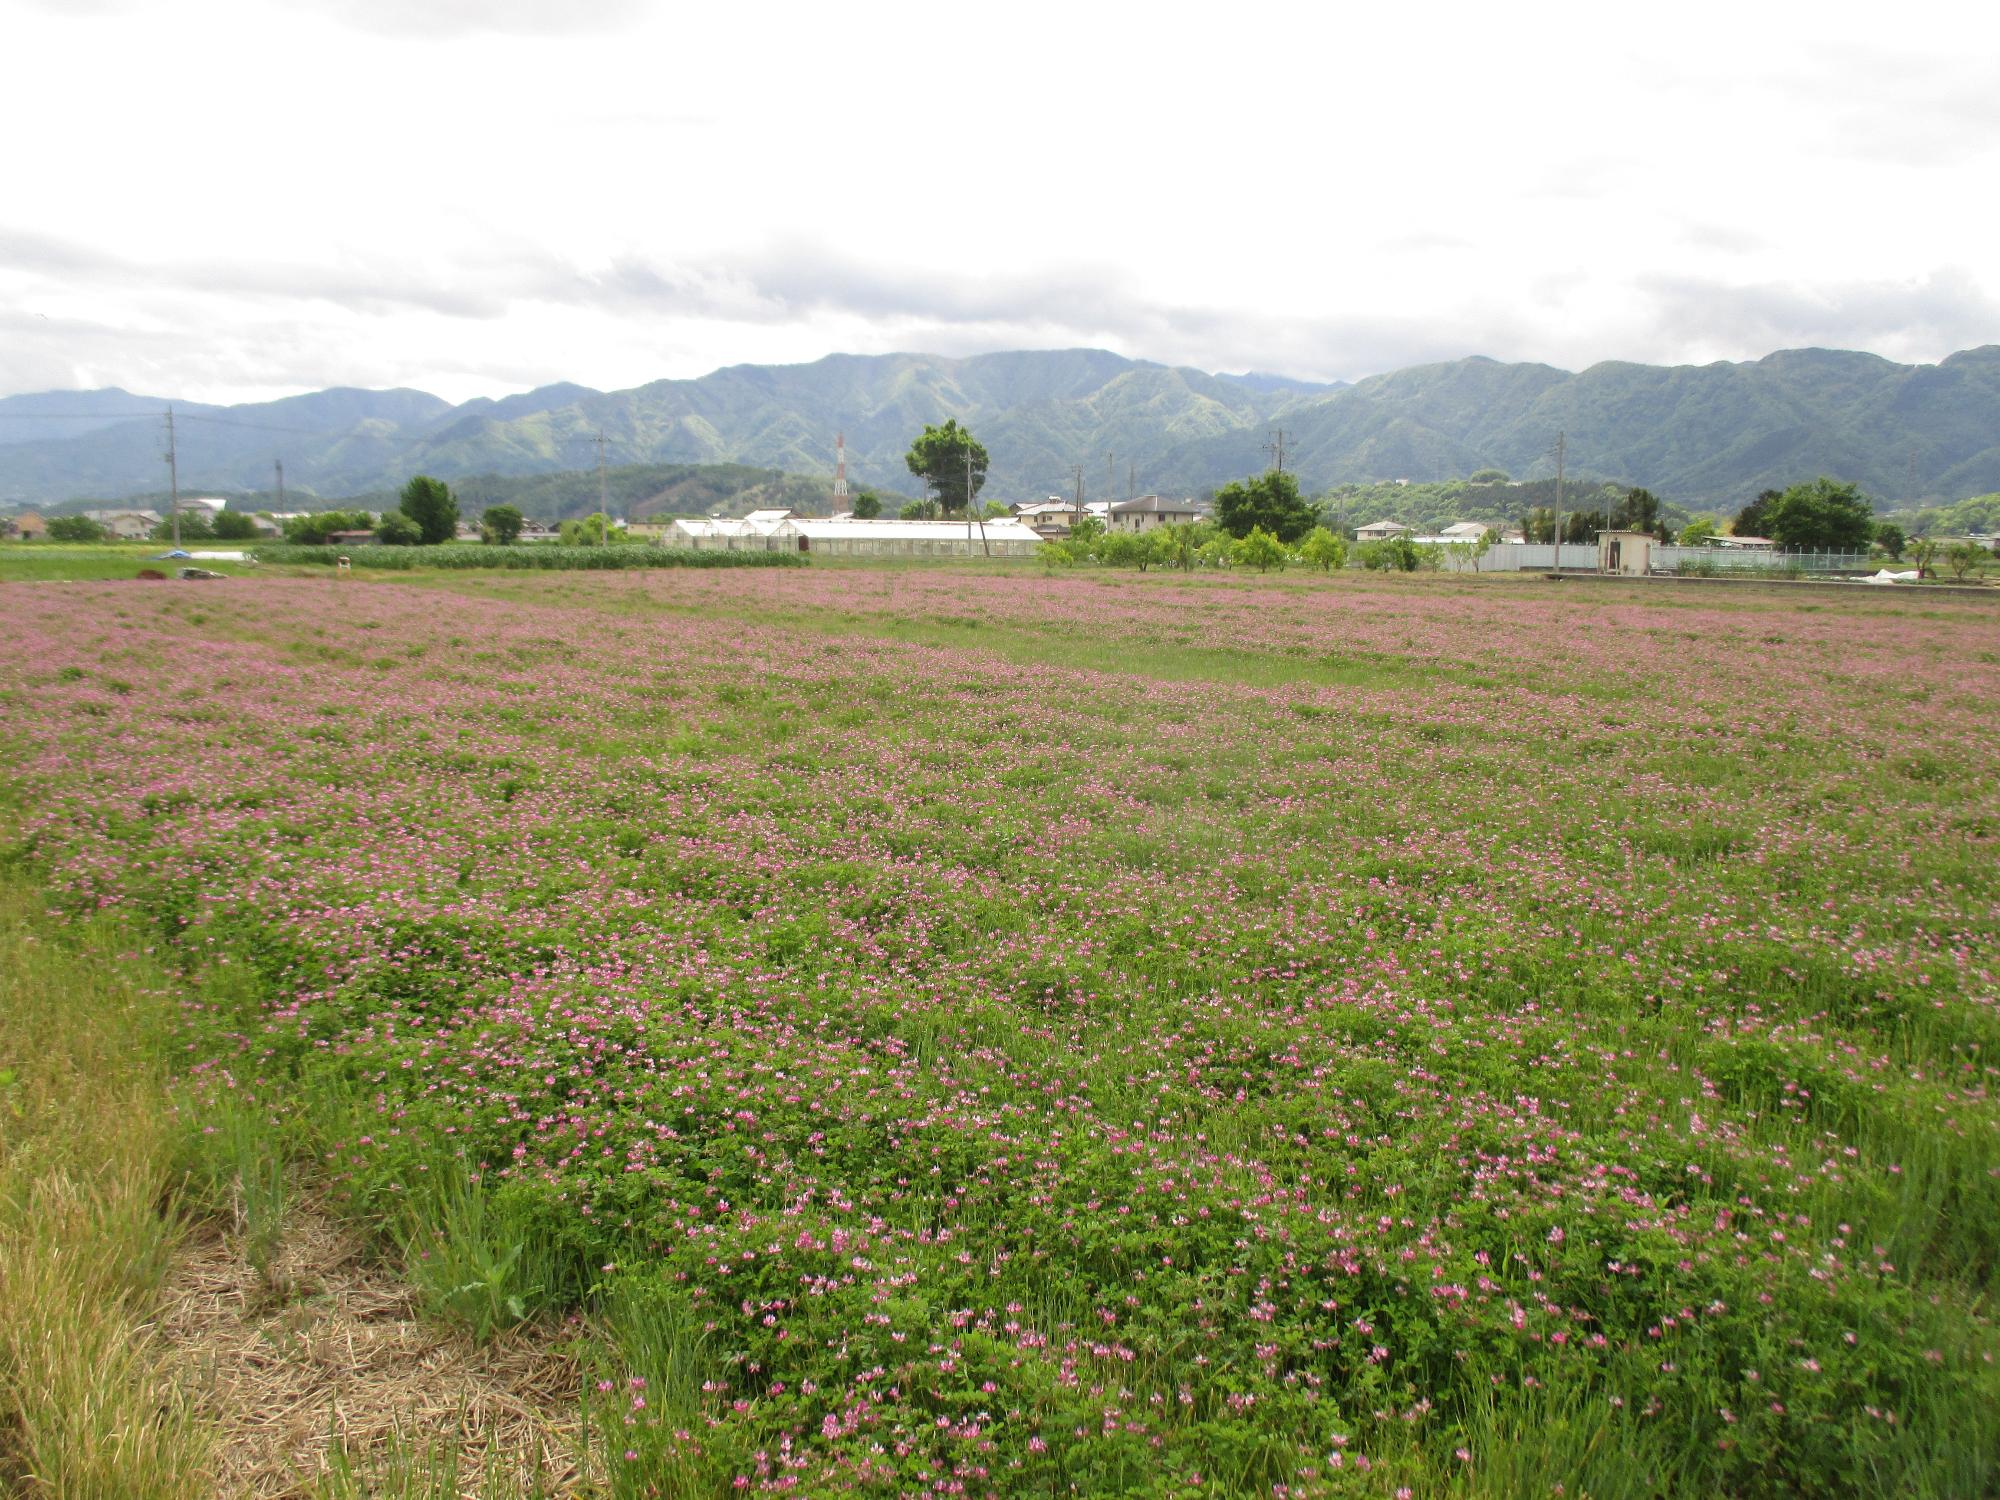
1707,436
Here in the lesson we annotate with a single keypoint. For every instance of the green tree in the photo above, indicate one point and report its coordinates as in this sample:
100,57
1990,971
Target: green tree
397,529
1580,526
1923,552
594,530
1538,524
1270,501
1086,529
918,510
1180,544
944,458
1488,476
1124,549
76,529
1755,518
194,528
1889,537
1963,557
1260,549
430,503
313,530
867,506
993,510
1697,533
502,524
1824,513
1396,555
1323,550
1640,511
233,526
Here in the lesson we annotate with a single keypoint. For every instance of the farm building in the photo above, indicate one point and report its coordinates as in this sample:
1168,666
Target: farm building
1626,552
28,526
1005,537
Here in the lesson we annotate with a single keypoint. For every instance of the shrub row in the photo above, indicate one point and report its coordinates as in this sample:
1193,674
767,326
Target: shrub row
478,555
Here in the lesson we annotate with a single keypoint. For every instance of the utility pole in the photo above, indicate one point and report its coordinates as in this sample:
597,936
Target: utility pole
1276,448
1910,481
1562,449
1131,481
603,504
174,478
279,465
984,545
1078,469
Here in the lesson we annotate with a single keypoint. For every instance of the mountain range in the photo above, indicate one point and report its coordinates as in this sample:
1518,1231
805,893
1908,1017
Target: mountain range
1704,436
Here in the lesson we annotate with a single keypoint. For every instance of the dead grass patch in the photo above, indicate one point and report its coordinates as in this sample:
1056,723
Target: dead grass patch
329,1347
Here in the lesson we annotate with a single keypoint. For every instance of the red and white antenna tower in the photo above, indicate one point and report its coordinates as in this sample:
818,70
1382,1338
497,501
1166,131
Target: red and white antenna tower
840,505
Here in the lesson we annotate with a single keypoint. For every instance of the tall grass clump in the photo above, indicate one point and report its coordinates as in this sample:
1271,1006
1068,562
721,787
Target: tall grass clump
86,1150
542,558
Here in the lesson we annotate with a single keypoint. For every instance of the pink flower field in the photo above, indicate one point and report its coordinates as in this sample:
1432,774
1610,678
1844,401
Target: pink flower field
974,1033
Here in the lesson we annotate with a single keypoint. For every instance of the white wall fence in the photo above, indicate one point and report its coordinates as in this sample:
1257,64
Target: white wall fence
1532,557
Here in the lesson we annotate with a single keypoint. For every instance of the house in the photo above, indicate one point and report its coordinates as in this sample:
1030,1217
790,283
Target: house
1380,531
1744,543
1465,531
1048,518
126,525
27,526
1149,512
208,507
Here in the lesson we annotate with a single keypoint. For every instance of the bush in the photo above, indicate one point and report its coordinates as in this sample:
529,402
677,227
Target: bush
194,527
556,558
1396,555
1323,550
397,530
76,529
1261,550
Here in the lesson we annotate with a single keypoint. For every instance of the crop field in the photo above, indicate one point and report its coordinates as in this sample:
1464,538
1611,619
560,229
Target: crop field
976,1033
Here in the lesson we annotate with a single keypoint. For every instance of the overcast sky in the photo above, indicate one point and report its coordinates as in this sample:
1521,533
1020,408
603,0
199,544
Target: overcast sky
224,200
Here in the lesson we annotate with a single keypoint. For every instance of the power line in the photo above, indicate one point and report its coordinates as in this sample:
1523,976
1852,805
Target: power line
1276,448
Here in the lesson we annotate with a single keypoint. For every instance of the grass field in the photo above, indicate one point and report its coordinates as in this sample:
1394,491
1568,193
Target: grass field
46,562
963,1032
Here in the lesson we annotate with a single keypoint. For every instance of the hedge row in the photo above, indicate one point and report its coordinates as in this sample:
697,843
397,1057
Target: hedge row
540,555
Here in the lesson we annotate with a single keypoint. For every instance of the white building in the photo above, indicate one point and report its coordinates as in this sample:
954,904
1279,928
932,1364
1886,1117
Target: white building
1002,537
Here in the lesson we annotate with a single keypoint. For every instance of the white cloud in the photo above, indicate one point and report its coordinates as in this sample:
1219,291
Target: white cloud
478,195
